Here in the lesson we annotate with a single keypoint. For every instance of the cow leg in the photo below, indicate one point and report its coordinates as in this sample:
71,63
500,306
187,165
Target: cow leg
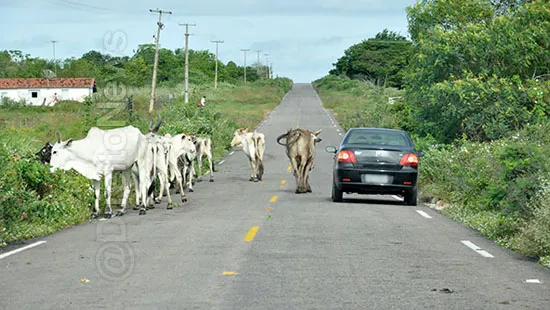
136,184
297,174
180,183
143,183
252,161
126,175
209,156
303,175
96,192
307,170
166,187
108,185
199,163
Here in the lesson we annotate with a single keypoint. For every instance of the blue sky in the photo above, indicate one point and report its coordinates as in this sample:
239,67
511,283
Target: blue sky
303,38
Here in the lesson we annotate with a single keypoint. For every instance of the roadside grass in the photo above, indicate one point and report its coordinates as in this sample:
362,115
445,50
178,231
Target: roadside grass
499,188
35,202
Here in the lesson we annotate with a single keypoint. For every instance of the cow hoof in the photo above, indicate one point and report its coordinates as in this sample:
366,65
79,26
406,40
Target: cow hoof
157,201
169,207
184,200
142,212
251,179
191,190
94,215
135,208
119,213
107,215
150,207
199,180
211,180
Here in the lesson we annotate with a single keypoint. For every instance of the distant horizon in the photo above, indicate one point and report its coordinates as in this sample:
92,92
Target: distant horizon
303,40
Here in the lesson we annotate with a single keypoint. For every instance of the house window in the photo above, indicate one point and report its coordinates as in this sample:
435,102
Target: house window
34,94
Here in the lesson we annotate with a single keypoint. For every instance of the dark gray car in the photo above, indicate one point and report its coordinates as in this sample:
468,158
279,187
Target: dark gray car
375,161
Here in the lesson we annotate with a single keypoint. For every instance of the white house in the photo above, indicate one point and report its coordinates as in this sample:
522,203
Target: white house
47,92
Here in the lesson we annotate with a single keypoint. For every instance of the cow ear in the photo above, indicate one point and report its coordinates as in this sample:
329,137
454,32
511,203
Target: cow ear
69,142
246,130
317,132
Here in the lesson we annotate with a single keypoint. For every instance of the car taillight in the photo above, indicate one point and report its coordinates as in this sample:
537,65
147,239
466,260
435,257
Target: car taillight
346,156
409,160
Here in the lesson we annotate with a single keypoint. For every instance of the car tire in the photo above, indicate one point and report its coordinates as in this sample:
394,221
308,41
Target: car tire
336,193
411,197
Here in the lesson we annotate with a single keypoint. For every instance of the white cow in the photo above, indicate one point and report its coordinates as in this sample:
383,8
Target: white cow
181,151
253,145
159,149
204,148
100,154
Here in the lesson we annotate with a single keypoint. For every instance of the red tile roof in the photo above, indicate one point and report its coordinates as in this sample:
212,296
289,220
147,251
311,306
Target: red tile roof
47,83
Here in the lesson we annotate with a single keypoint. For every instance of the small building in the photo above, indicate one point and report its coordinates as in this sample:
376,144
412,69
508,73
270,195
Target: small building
46,92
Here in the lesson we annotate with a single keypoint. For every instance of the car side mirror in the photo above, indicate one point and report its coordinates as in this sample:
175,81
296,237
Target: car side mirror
331,149
420,153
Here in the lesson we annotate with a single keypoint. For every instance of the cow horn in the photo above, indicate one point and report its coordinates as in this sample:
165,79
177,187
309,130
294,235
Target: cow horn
58,136
150,126
281,137
158,125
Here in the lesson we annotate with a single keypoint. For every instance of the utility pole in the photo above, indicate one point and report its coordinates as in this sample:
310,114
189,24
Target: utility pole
267,65
54,60
245,50
157,39
216,77
187,60
259,64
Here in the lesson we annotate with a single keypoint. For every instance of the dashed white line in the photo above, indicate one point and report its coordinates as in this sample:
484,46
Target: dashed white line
424,214
221,161
21,249
476,248
533,281
232,152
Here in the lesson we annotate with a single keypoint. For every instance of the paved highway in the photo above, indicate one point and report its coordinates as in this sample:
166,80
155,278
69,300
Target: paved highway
237,244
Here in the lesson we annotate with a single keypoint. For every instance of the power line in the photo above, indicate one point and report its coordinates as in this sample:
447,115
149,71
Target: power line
154,82
187,60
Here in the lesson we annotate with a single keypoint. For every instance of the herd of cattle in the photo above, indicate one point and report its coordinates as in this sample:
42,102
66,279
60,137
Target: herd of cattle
170,159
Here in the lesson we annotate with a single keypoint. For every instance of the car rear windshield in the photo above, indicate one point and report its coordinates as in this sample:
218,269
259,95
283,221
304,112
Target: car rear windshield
377,138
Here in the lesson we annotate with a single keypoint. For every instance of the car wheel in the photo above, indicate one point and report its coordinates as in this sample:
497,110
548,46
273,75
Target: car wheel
336,193
411,197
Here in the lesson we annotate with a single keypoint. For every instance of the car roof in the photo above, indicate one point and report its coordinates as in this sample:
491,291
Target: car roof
377,129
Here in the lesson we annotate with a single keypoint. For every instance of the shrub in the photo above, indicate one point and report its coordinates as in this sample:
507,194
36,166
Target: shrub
35,202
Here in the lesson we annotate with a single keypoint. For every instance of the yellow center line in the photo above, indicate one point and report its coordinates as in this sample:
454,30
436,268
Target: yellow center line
251,234
289,168
228,273
283,182
273,199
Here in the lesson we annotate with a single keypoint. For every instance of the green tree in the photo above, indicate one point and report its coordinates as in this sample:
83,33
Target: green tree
380,60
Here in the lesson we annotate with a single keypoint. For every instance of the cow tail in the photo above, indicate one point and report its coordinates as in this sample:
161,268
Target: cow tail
259,157
154,181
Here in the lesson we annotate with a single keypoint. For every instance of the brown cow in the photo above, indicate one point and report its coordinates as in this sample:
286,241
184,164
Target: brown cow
300,149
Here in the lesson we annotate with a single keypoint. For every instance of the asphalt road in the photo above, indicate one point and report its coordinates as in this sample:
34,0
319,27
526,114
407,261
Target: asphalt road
307,252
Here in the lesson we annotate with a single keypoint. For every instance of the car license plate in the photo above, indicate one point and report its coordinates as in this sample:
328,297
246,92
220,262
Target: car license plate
376,178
